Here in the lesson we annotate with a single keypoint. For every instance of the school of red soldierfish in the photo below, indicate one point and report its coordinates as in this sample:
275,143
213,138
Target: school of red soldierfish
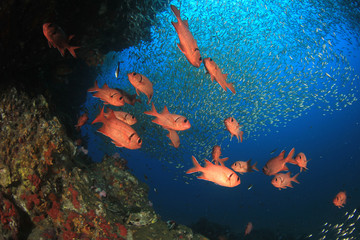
117,124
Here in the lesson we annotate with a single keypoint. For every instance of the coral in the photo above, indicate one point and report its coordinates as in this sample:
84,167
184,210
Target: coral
59,196
74,195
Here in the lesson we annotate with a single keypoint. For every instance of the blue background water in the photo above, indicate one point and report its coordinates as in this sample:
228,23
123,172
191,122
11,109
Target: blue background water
279,108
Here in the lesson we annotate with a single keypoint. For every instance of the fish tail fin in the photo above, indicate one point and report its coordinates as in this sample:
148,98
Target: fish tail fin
175,11
289,157
153,111
72,50
231,87
100,117
95,88
196,168
253,167
294,178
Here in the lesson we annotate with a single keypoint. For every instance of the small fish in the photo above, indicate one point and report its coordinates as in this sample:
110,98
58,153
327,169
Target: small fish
117,70
81,121
250,187
215,73
340,199
220,175
215,153
283,180
277,164
123,116
248,228
141,84
234,128
108,95
58,39
168,120
244,167
187,45
273,151
174,138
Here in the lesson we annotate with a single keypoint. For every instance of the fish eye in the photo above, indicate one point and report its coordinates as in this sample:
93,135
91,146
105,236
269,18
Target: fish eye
139,141
238,179
232,119
120,98
185,120
132,117
200,59
235,164
134,73
210,59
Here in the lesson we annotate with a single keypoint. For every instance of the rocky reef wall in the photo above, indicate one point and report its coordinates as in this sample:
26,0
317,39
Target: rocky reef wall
51,190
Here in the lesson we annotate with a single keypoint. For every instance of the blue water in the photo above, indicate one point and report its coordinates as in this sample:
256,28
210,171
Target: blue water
295,67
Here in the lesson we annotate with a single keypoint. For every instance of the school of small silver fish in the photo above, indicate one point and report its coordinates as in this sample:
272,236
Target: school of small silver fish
343,230
277,60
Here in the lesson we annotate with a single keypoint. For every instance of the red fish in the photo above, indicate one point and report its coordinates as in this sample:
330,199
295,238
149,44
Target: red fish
215,73
340,199
174,138
120,132
218,174
168,120
234,128
277,164
215,153
128,98
108,95
123,116
301,161
58,39
81,121
244,167
187,45
248,228
141,84
283,180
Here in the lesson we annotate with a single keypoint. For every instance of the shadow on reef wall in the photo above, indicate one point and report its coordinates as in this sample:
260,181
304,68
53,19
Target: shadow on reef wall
27,62
51,190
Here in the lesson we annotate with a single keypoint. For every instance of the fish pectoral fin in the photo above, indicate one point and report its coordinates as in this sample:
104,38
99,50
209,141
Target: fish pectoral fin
137,91
117,144
212,78
186,23
181,48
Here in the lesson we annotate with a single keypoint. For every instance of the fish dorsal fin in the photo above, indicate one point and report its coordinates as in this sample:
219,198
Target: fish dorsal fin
208,163
105,86
165,111
282,154
186,23
225,76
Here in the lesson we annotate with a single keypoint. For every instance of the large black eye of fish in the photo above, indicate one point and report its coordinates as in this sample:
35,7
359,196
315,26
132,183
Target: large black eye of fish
231,119
200,59
210,59
134,73
120,98
185,120
139,141
238,178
